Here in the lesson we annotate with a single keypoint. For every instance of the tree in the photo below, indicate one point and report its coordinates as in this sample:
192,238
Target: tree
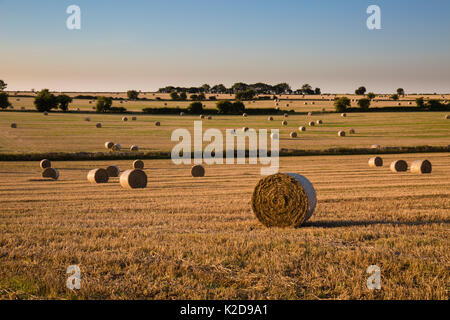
434,104
194,97
3,85
360,91
132,94
281,88
245,95
45,101
174,95
371,95
205,88
364,103
307,89
104,104
317,91
183,96
63,102
227,107
220,88
342,104
420,102
4,102
195,108
401,92
394,97
239,87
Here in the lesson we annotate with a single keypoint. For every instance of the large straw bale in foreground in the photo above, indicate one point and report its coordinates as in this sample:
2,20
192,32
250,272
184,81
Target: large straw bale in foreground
133,179
421,166
283,200
98,176
399,166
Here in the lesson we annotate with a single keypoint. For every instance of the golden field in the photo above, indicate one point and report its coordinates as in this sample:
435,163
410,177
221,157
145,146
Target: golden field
288,102
186,238
69,132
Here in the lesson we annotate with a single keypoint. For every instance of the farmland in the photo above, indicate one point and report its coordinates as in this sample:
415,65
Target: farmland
59,132
164,243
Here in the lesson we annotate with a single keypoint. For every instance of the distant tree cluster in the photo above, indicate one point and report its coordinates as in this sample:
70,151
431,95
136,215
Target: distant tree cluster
258,88
228,107
46,101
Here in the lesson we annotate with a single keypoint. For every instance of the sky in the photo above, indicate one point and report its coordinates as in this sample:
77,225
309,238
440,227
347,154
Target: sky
145,45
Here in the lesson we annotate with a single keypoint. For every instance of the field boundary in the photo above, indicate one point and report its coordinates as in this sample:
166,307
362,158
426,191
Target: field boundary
162,155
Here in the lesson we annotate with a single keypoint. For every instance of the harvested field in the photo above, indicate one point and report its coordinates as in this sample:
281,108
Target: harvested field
162,243
70,133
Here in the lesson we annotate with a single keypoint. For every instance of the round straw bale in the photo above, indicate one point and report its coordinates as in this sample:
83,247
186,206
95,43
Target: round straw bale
202,116
274,135
284,123
399,166
343,115
157,123
244,115
87,119
45,163
293,134
198,171
421,166
245,129
301,128
109,145
134,148
50,173
341,133
352,131
283,200
181,113
45,113
375,162
13,125
286,115
93,108
310,113
133,179
138,164
116,147
410,103
209,118
124,119
98,125
447,117
233,131
270,118
133,118
312,123
113,171
98,176
319,121
375,146
305,103
313,102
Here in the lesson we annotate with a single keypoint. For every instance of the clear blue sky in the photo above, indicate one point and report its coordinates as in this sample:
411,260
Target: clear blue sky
149,44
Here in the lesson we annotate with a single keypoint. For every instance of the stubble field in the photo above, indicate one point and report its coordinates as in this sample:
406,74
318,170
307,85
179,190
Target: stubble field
186,238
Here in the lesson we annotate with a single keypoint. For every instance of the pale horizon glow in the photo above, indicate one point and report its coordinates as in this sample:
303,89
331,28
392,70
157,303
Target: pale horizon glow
147,45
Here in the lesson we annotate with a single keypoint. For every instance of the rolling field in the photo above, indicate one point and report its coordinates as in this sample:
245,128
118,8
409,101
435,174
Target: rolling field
288,102
60,132
186,238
